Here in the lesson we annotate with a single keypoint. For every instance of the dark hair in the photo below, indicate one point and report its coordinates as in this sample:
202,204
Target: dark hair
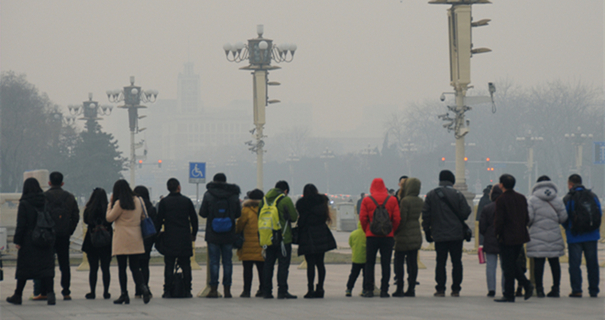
172,184
255,194
220,177
543,178
575,179
56,178
310,190
507,181
282,185
30,185
142,192
96,207
122,192
402,177
362,194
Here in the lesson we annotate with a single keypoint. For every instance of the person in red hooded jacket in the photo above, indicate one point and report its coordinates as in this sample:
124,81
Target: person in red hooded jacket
378,196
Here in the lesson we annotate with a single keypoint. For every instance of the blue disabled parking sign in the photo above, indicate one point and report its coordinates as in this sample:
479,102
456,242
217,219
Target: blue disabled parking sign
197,172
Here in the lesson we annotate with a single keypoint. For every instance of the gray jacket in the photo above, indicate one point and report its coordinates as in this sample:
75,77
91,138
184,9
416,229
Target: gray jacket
546,213
438,220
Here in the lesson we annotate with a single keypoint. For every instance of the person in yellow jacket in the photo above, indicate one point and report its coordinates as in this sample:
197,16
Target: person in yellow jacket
357,242
251,252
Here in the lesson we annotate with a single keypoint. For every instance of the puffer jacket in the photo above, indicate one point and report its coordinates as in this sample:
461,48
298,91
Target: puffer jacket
408,236
438,220
357,242
248,224
379,192
546,211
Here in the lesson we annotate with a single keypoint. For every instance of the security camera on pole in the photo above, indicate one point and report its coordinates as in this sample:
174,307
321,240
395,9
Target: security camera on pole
461,50
259,52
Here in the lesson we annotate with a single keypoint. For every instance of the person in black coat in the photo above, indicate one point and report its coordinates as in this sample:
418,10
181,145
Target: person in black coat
143,192
33,262
491,248
315,237
94,215
177,214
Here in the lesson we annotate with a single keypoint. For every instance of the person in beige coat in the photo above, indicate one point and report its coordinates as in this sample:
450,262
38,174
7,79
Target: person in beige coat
126,211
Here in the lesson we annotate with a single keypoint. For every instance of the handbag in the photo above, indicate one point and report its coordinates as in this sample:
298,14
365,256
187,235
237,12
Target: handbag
481,255
239,240
147,226
179,286
466,231
100,236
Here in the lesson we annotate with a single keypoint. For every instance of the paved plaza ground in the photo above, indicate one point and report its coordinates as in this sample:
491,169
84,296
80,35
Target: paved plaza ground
473,303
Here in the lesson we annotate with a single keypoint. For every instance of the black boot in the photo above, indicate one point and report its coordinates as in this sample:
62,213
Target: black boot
146,294
227,292
310,293
319,292
540,292
411,291
123,298
213,292
51,300
399,291
15,299
554,292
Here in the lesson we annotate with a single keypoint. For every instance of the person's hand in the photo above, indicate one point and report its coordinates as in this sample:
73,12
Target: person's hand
111,198
428,237
193,238
17,246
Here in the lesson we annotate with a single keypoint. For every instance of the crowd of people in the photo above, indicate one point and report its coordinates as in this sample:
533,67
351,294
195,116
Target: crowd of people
264,227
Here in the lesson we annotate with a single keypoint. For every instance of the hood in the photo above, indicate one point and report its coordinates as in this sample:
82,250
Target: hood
545,190
496,192
378,187
306,203
272,194
222,190
359,227
487,190
35,199
251,203
412,187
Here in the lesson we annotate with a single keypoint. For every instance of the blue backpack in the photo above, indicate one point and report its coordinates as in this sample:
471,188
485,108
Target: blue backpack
221,217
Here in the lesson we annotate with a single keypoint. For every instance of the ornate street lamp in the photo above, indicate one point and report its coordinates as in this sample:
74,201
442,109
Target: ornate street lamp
90,111
259,52
578,139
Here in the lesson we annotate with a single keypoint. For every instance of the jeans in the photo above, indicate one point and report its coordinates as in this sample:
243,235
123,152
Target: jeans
491,265
248,272
385,246
555,269
411,259
94,258
356,268
592,266
62,251
315,260
272,254
216,252
184,264
511,269
454,248
135,269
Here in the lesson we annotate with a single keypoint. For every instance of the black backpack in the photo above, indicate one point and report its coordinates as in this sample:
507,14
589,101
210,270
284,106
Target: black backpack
100,236
57,207
179,287
381,224
43,235
585,216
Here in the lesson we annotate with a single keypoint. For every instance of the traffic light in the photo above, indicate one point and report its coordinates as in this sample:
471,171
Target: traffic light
140,163
442,162
465,159
159,163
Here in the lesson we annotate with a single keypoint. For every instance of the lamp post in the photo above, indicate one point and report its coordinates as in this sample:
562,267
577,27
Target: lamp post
259,52
132,96
577,139
407,149
461,50
292,158
90,111
327,155
529,140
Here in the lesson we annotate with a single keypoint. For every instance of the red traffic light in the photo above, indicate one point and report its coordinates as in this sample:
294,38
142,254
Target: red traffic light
443,159
140,161
465,159
159,161
487,159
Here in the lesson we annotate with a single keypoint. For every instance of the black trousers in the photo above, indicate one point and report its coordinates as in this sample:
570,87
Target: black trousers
315,260
144,265
248,272
555,269
62,251
356,269
511,269
411,259
47,283
373,246
185,264
133,262
454,248
93,260
275,254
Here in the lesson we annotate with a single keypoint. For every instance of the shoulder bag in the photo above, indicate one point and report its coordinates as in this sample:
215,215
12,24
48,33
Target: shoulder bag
467,233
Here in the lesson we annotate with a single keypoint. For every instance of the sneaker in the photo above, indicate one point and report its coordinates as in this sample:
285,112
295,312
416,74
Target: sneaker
367,294
594,295
348,293
259,294
268,296
66,297
440,294
455,294
245,294
575,295
553,294
14,299
51,301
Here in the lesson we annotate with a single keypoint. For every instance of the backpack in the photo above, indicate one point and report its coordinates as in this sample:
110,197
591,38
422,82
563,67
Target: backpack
586,216
57,208
381,224
269,228
179,289
43,235
221,217
100,236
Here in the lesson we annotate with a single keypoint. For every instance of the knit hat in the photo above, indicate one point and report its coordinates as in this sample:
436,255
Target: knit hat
255,194
446,175
220,177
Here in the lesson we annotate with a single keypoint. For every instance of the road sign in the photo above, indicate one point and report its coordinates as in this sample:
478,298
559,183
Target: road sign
599,152
197,172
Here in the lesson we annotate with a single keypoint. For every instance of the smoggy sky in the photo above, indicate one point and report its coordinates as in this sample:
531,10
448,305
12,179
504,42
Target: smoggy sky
351,53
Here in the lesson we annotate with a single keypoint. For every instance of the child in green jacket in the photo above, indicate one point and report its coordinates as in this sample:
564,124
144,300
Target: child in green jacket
357,242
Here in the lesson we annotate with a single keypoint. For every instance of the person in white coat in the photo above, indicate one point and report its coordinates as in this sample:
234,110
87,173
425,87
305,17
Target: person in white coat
546,213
